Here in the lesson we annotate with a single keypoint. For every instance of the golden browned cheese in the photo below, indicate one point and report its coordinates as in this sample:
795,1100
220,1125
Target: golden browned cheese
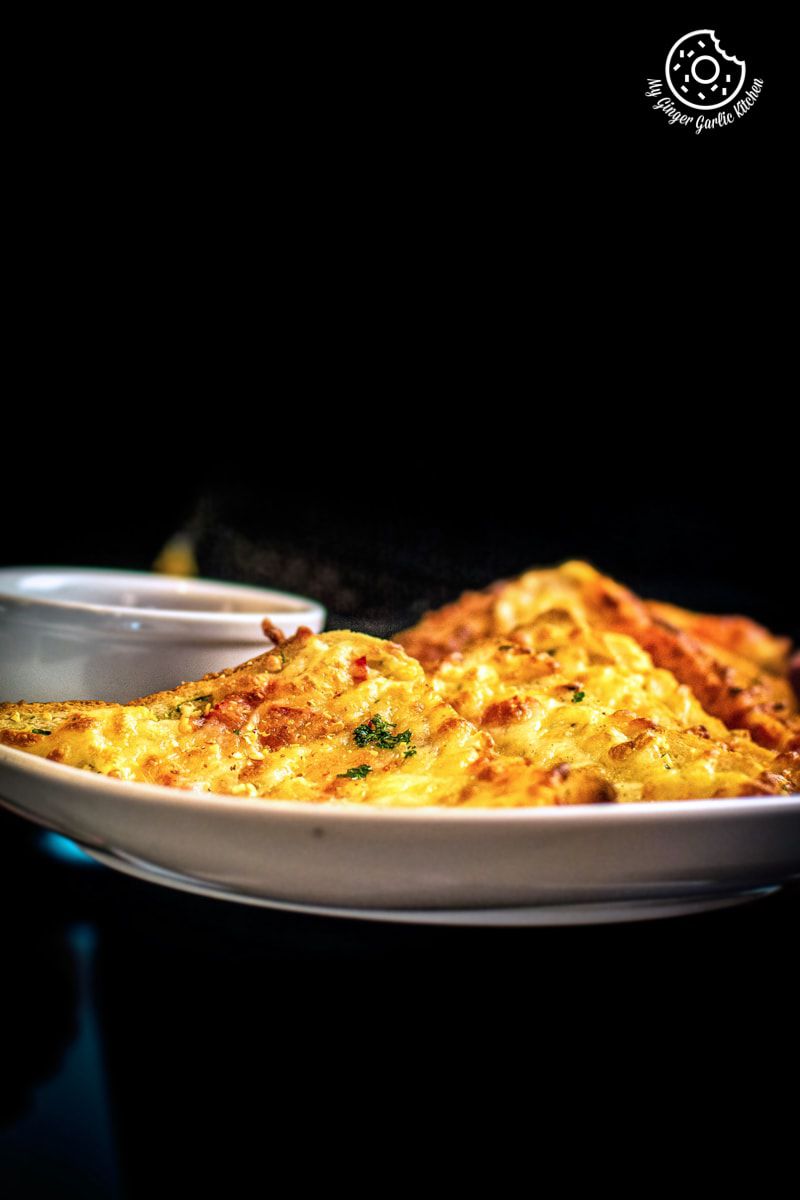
728,675
550,697
337,717
559,692
737,639
497,609
762,704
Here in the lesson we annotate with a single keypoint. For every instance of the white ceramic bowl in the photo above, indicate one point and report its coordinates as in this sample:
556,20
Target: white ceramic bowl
69,633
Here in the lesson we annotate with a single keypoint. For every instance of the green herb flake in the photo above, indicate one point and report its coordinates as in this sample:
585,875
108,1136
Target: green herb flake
410,753
356,772
376,732
505,647
43,732
202,700
578,696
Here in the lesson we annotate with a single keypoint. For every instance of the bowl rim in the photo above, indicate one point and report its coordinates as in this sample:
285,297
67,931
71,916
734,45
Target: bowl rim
173,583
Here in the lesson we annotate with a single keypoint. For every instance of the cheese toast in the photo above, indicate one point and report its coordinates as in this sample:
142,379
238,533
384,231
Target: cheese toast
554,713
338,717
734,667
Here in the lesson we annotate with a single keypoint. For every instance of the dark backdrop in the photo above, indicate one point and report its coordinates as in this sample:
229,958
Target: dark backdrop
381,556
381,523
454,302
381,313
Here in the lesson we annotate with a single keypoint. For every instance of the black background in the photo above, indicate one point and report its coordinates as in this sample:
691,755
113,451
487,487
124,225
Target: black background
382,312
448,302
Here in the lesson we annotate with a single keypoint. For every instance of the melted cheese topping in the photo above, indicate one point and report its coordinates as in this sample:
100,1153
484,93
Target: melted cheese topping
557,692
554,714
337,717
735,667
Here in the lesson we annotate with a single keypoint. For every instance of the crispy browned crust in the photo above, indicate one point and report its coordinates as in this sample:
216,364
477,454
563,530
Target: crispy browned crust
794,674
253,666
726,691
777,688
728,662
442,631
272,631
57,709
738,635
299,707
22,714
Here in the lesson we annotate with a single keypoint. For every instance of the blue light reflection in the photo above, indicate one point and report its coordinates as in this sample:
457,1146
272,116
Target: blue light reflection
64,850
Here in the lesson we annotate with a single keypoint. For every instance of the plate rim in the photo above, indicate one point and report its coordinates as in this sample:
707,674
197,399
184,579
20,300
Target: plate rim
349,810
597,912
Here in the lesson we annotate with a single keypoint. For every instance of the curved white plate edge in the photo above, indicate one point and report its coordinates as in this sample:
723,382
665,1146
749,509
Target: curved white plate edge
102,849
596,913
567,913
21,761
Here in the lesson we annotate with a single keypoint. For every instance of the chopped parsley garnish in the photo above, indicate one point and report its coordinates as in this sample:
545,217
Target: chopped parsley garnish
410,753
376,732
578,696
44,733
356,772
505,647
174,714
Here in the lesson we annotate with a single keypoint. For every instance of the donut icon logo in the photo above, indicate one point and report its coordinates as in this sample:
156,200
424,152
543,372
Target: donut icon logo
700,74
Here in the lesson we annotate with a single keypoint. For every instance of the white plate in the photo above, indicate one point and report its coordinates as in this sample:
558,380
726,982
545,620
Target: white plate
496,866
